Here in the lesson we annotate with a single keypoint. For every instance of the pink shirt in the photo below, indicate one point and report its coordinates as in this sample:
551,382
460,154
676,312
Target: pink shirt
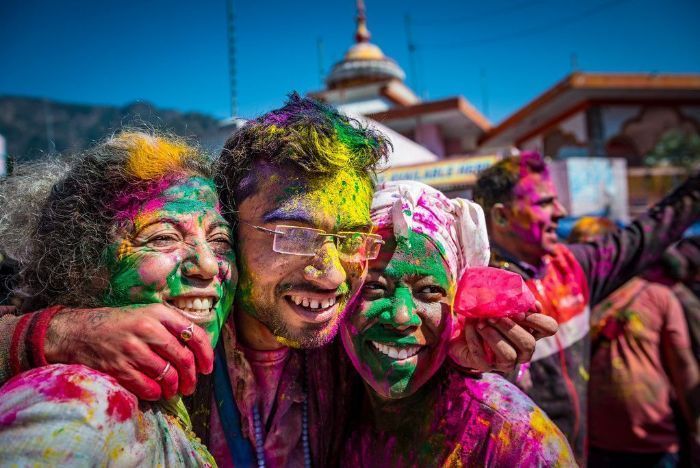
629,401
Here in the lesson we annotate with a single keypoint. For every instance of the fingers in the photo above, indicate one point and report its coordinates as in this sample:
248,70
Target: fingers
199,345
467,349
139,384
517,339
154,368
540,324
170,349
505,356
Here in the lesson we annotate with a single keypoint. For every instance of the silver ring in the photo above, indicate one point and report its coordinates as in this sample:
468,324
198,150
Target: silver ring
162,374
187,333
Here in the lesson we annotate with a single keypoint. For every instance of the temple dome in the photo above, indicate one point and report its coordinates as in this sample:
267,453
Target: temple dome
364,62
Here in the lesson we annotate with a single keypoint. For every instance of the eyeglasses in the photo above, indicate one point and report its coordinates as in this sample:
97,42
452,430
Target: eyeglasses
294,240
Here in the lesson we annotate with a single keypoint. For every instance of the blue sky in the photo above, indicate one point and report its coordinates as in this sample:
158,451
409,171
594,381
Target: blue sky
173,53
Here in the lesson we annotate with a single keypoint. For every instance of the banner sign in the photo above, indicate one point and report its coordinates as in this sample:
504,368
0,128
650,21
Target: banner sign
452,172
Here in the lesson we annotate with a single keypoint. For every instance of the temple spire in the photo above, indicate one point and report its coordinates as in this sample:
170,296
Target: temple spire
362,33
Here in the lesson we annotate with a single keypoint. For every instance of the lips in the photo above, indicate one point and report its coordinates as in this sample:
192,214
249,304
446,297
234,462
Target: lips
314,308
198,309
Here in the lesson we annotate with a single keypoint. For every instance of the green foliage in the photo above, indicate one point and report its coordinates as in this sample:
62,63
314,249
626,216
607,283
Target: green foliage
676,148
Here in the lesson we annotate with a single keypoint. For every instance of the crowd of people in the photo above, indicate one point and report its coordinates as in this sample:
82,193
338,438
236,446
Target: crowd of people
273,307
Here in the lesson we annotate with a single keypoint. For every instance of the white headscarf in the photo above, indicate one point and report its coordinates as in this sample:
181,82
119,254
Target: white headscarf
458,225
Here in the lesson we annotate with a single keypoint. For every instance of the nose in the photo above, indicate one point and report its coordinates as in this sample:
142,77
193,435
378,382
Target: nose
326,271
403,315
201,262
559,210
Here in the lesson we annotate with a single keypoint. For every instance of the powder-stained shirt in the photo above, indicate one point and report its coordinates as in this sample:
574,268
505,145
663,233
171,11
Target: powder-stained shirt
475,422
577,277
71,415
331,387
629,407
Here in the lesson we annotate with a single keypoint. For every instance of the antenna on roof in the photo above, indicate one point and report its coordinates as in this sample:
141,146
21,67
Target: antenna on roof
574,62
411,53
319,54
230,29
484,93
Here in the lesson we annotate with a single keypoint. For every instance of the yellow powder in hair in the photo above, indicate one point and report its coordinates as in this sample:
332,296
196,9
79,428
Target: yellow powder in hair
152,156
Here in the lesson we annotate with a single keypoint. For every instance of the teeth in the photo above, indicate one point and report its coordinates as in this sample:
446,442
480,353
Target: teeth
195,305
398,353
312,303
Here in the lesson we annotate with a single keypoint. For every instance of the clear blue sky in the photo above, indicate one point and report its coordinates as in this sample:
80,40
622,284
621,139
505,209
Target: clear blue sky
173,53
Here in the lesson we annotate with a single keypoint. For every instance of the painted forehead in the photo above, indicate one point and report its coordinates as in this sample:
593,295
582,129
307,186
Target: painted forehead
416,255
340,201
195,195
534,186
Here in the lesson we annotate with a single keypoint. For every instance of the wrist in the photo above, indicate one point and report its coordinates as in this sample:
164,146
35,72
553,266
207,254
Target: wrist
42,351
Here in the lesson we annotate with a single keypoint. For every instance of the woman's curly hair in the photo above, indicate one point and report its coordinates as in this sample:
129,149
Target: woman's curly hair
58,218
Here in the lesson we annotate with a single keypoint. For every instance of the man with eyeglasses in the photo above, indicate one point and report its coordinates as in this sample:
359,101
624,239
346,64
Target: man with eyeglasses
298,181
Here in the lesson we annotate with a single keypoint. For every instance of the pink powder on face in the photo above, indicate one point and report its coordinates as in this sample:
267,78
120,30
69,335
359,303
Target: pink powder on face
127,205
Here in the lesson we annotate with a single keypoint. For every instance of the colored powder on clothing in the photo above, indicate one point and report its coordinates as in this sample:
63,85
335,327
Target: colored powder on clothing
119,406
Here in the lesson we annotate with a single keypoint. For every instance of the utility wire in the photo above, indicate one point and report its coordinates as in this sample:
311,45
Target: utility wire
480,16
527,31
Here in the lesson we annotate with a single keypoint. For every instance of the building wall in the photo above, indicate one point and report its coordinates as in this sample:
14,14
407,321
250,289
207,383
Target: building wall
630,131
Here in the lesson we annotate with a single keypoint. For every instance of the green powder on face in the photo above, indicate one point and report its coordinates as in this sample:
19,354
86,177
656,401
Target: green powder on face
412,259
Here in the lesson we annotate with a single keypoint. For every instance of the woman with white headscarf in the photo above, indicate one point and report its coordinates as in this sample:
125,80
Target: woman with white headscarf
419,410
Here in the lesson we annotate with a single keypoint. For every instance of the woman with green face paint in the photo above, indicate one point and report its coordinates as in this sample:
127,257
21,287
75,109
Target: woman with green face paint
420,411
140,223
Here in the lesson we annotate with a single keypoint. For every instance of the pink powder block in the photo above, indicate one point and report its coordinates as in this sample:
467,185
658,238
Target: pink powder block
486,292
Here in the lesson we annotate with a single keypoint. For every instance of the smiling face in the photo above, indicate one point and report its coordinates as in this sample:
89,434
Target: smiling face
398,335
534,216
300,299
176,250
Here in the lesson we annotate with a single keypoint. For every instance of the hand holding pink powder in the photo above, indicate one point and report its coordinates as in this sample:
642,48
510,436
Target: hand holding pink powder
487,292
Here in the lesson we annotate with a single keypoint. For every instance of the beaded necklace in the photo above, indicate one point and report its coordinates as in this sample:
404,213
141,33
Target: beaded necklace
257,426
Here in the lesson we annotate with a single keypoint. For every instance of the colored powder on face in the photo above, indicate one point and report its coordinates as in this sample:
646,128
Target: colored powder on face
412,258
126,270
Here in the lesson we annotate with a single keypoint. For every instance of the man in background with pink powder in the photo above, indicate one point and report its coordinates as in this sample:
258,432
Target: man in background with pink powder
522,214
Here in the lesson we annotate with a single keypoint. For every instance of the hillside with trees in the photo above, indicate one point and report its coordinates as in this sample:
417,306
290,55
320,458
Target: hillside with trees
34,127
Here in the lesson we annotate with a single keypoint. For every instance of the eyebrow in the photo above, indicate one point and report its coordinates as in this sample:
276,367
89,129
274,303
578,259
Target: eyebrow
281,214
365,227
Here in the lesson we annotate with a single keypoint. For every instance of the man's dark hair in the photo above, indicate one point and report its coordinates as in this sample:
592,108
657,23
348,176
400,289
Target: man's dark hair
304,135
496,184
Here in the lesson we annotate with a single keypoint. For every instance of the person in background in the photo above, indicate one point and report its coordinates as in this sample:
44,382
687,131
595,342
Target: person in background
522,214
640,357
